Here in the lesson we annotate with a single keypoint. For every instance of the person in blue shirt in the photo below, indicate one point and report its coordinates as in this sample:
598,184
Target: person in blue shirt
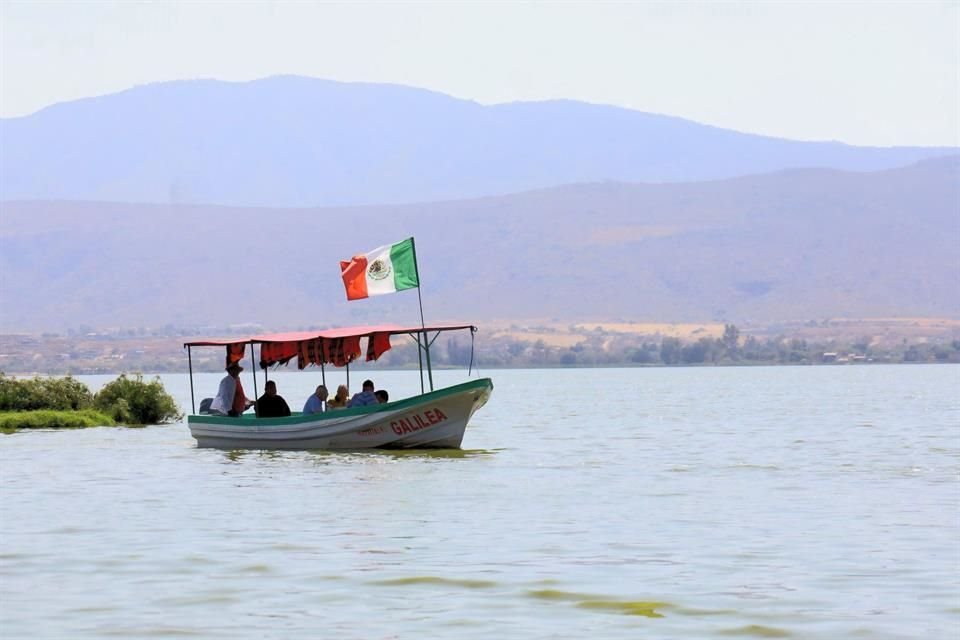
316,403
364,398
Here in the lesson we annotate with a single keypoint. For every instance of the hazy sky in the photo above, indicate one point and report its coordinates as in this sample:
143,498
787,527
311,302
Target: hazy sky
881,73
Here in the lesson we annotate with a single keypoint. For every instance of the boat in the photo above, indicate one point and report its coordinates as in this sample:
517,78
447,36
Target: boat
436,418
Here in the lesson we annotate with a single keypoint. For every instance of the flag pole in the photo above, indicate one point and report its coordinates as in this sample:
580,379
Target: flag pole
423,325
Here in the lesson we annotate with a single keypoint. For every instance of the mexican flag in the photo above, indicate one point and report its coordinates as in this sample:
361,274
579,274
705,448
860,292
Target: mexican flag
384,270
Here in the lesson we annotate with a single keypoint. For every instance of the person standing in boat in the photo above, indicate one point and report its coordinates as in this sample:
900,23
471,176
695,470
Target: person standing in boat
382,396
271,405
364,398
230,400
316,403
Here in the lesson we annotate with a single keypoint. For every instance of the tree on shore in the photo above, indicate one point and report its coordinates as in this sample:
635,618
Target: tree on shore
133,401
731,341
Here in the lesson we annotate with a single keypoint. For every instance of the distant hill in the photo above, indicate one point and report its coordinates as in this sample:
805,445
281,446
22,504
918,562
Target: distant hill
294,141
797,244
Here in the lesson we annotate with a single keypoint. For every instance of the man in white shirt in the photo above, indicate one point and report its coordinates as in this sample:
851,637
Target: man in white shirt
230,400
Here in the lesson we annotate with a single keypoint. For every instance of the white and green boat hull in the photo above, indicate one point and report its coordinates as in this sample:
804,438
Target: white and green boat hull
436,419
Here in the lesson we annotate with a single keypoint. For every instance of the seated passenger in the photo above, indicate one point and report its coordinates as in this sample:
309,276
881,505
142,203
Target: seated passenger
340,400
270,405
382,396
316,402
365,398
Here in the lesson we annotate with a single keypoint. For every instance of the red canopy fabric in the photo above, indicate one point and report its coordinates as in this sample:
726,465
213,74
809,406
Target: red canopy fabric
234,353
331,346
277,352
342,332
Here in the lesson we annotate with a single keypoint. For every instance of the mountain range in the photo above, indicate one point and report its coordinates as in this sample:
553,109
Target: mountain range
785,245
291,141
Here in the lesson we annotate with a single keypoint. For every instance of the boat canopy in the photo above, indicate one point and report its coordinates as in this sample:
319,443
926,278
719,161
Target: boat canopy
338,346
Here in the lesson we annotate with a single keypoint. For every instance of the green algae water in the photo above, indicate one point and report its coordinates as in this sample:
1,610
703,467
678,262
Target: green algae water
790,502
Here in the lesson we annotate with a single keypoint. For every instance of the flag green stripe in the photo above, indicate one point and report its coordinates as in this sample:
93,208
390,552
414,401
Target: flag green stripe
404,265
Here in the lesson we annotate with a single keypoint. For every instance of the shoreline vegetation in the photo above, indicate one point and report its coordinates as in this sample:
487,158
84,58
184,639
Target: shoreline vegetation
835,341
66,403
12,421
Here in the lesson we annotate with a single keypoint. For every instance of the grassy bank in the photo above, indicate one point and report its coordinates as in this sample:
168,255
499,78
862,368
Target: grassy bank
51,419
65,403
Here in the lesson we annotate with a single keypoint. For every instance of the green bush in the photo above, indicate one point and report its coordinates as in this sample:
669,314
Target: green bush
46,419
60,394
41,403
133,401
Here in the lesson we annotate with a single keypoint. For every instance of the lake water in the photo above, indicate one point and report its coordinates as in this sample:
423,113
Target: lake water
801,502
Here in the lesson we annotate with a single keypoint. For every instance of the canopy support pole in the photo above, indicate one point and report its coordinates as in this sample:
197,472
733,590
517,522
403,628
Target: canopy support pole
420,360
426,348
193,403
323,374
473,331
253,367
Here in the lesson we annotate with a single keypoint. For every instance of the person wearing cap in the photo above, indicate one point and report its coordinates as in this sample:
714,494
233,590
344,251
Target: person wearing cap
230,400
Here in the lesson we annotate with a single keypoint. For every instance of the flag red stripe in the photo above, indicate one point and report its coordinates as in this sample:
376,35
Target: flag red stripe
355,277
